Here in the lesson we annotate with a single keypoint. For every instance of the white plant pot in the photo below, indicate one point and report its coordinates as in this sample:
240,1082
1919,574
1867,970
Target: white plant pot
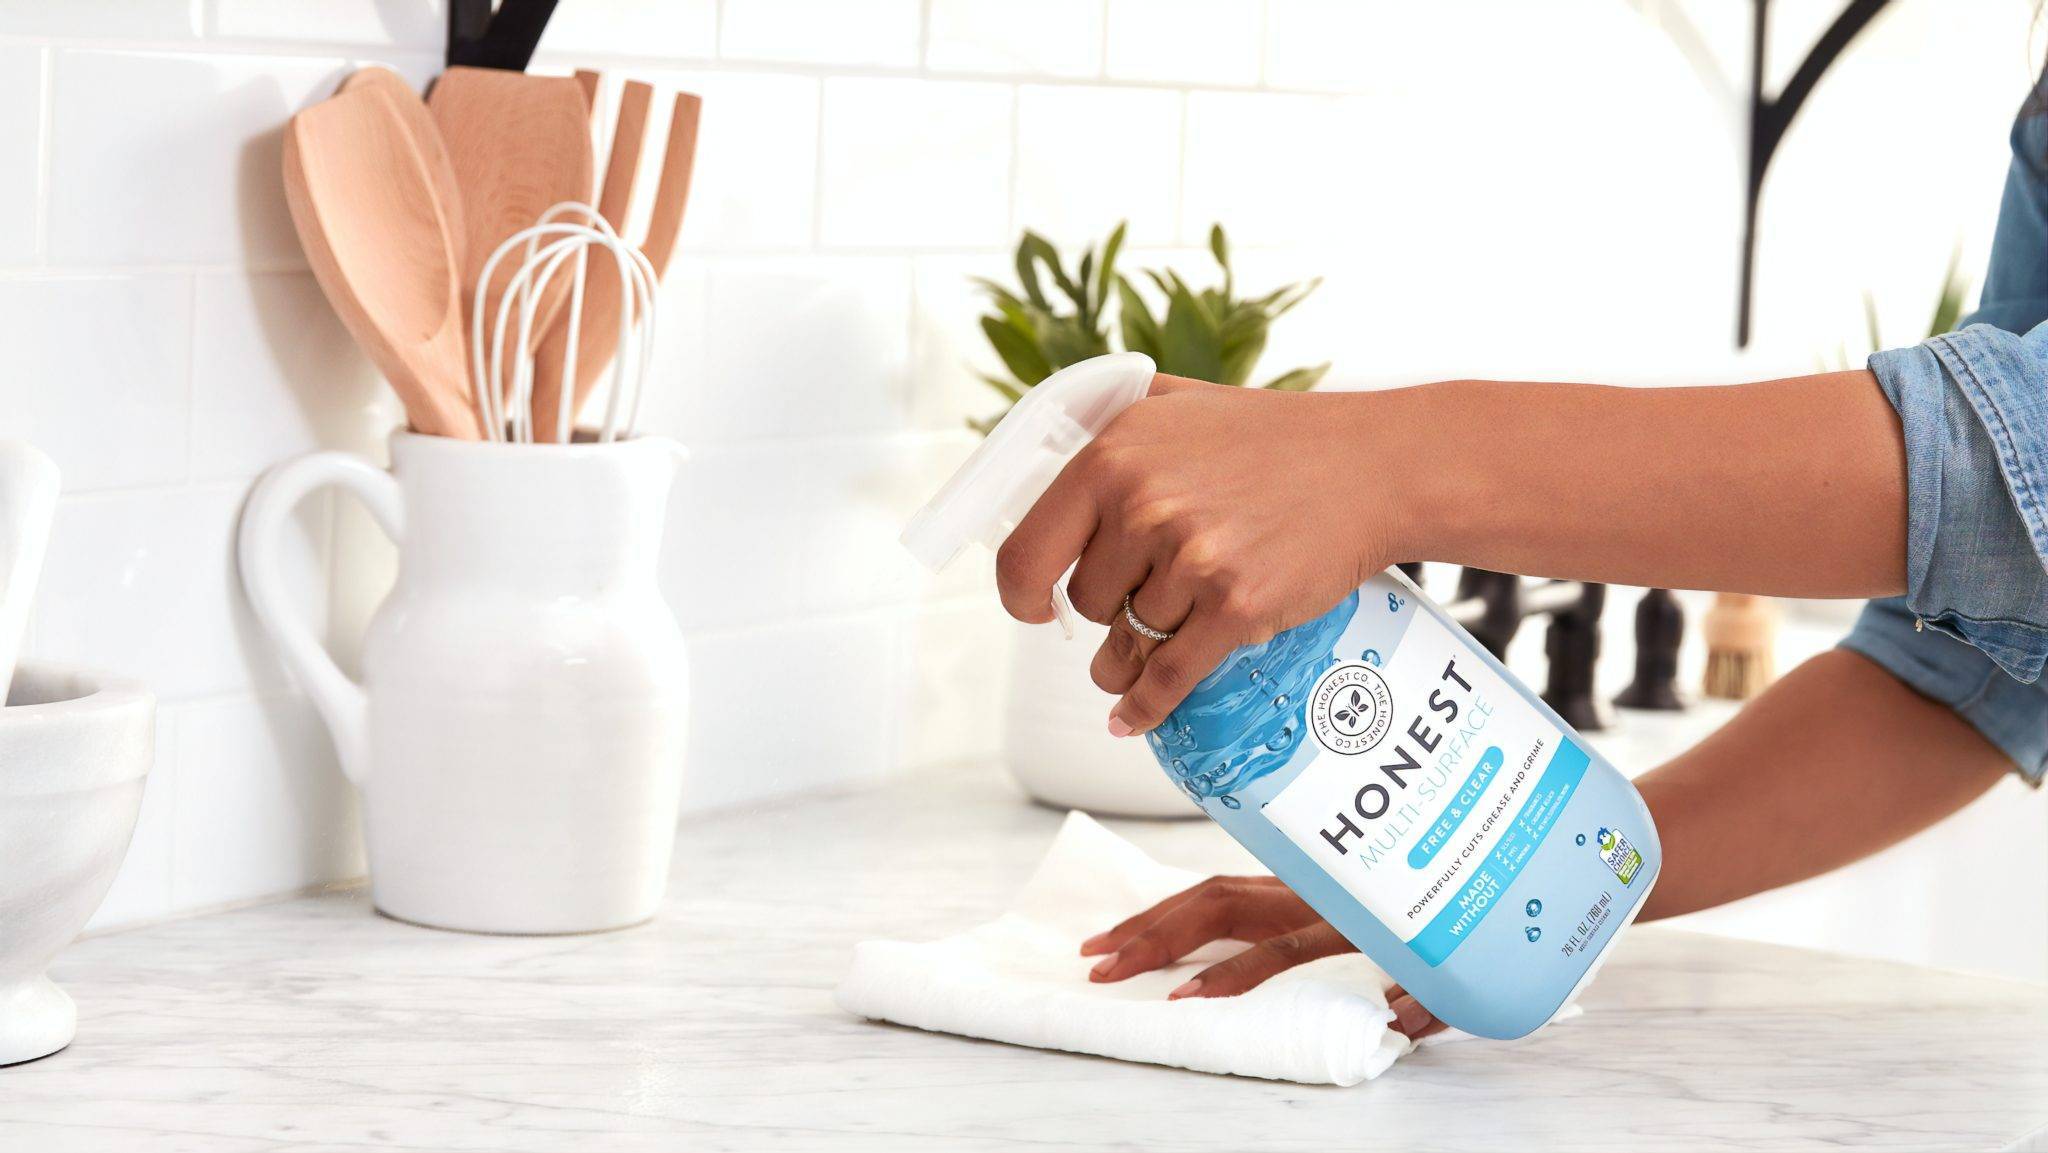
1056,739
74,749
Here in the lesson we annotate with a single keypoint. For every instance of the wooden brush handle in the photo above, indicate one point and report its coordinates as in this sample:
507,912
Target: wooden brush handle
1740,621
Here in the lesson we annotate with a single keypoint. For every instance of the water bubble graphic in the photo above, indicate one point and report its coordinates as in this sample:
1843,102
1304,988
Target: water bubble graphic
1257,676
1579,840
1229,802
1534,907
1533,933
1280,702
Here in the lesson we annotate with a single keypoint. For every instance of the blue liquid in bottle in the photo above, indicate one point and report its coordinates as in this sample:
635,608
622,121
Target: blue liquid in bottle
1377,759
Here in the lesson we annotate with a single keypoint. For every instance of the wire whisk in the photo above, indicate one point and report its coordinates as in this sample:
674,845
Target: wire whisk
564,235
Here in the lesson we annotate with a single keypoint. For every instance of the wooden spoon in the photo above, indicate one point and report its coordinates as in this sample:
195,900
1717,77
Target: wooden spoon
519,145
426,137
366,214
598,337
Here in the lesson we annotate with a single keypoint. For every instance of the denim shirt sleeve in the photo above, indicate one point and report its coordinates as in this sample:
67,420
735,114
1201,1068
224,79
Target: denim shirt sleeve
1972,629
1974,409
2011,715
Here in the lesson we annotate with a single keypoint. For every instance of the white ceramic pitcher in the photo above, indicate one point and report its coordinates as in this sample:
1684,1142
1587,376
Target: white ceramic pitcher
517,736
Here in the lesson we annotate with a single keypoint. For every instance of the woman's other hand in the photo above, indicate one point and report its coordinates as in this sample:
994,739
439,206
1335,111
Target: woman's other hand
1283,931
1225,514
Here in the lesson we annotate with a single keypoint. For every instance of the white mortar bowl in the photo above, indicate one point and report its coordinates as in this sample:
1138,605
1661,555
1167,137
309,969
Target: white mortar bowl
74,749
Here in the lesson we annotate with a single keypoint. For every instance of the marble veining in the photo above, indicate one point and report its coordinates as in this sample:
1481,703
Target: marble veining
315,1024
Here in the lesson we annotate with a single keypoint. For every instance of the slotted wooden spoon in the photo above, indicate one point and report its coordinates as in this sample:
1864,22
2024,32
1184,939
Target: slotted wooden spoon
598,336
366,214
519,145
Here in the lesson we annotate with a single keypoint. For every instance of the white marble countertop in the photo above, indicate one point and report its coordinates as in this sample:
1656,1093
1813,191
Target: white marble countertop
315,1024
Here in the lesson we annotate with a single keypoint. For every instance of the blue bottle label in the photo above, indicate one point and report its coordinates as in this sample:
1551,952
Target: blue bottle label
1433,784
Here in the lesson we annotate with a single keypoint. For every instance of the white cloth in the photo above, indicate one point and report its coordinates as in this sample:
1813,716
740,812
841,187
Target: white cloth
1021,979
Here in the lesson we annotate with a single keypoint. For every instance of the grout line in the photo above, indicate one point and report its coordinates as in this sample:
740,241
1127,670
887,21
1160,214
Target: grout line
345,51
899,611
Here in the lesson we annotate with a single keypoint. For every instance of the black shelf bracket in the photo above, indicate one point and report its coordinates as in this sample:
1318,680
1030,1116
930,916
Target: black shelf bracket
1769,118
481,38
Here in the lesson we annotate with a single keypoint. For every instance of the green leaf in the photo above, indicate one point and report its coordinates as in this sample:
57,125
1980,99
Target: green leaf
1299,380
1085,276
1220,248
1010,392
1190,342
1027,273
1140,331
1019,353
1110,248
1039,249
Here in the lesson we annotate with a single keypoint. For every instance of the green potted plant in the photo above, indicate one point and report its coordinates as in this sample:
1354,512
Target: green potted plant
1055,742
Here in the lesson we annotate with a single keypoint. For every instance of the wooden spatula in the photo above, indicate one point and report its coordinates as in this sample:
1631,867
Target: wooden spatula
426,137
598,336
519,145
367,217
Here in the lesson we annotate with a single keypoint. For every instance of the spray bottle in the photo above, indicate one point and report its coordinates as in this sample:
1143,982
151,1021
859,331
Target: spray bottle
1383,764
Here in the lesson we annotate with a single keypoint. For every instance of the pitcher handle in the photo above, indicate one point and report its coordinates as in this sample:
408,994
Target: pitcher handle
341,700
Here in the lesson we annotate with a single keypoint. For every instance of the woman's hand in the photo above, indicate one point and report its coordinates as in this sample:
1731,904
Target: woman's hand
1225,514
1283,931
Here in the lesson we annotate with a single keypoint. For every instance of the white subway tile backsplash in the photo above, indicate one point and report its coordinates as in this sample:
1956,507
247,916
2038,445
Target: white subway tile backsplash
21,102
1275,169
174,158
1046,37
98,377
144,584
956,667
1325,44
1186,41
142,889
803,346
913,163
948,353
262,806
755,183
127,19
680,29
404,23
871,32
742,747
274,374
766,532
1089,157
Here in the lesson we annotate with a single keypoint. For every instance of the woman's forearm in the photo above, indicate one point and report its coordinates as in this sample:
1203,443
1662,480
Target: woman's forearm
1835,762
1790,487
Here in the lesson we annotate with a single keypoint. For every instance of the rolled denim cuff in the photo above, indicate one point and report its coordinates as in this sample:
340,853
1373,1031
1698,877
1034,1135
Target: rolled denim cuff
1974,409
2011,715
